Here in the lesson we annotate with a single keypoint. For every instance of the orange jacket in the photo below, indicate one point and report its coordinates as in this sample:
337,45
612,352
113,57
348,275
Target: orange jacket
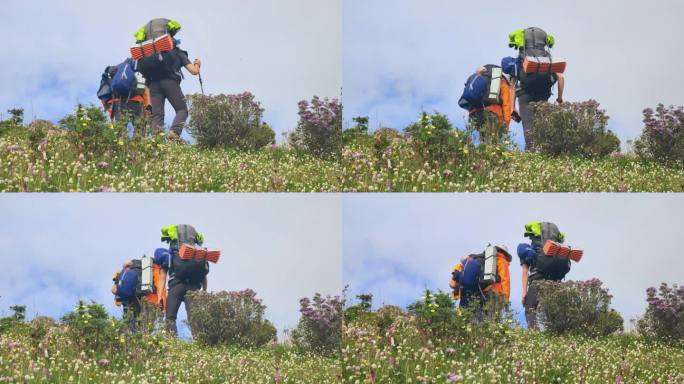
502,287
503,110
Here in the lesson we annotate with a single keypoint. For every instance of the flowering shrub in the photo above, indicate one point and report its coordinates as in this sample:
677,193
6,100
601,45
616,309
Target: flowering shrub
577,307
320,325
228,121
232,318
572,129
436,139
92,134
319,130
662,138
664,317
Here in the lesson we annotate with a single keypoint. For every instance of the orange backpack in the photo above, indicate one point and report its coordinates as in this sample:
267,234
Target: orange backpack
502,285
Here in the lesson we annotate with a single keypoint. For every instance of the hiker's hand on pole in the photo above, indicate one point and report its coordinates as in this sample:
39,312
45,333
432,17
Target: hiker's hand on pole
197,63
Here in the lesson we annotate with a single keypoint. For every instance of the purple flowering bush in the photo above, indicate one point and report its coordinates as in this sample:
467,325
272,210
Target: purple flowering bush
577,307
573,129
664,317
662,138
320,325
319,130
231,318
228,121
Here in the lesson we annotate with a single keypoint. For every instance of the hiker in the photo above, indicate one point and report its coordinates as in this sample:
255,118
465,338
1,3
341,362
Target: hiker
124,95
536,266
184,275
482,277
486,96
138,281
535,86
163,73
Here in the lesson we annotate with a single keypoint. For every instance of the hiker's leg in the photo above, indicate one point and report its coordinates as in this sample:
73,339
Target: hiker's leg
475,121
527,118
188,302
136,111
175,95
157,99
174,298
531,302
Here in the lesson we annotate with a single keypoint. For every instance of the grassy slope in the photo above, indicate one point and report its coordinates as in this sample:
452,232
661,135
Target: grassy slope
518,172
525,357
21,360
163,168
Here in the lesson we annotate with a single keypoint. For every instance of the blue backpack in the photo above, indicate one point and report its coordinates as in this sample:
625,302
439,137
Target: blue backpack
127,284
512,66
469,277
123,81
482,90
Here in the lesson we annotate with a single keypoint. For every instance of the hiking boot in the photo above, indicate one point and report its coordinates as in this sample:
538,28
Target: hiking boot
173,137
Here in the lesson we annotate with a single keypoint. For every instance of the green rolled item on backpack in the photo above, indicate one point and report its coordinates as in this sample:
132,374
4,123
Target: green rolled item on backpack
534,229
173,26
516,39
140,35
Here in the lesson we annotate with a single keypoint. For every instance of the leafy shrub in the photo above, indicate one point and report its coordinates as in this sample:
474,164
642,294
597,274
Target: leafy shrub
572,129
359,132
436,139
357,311
320,325
577,307
437,316
15,319
228,121
662,138
319,130
16,120
232,318
90,327
664,317
92,134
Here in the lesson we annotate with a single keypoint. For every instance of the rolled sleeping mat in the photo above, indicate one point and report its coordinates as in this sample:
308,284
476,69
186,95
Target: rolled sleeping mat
189,252
162,43
534,64
552,248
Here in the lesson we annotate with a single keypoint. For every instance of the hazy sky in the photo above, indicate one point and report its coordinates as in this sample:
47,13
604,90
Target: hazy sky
281,51
401,56
395,245
63,247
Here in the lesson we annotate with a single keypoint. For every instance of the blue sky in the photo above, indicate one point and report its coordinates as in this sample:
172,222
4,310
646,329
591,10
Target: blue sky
396,245
401,57
282,52
59,248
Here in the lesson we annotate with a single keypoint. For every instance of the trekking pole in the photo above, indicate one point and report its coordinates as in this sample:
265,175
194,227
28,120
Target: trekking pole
201,84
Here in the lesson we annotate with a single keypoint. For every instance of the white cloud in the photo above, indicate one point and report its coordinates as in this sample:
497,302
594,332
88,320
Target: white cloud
280,51
66,247
622,55
629,240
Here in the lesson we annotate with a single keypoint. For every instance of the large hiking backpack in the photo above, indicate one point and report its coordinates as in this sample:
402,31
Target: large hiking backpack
141,278
548,267
533,42
156,28
188,271
487,271
482,90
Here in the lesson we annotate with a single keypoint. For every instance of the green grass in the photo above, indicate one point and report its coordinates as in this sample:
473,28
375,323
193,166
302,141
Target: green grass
151,166
55,359
509,171
403,354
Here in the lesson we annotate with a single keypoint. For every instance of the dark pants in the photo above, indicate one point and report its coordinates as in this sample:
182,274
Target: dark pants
490,127
174,297
170,89
527,116
130,111
470,298
131,312
530,304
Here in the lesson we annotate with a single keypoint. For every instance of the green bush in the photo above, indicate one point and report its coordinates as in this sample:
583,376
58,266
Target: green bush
436,139
662,138
577,307
319,130
359,132
14,320
572,129
91,329
228,121
90,131
229,318
664,317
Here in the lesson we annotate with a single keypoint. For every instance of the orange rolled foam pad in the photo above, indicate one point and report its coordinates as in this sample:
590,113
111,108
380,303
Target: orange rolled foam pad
188,252
533,64
552,248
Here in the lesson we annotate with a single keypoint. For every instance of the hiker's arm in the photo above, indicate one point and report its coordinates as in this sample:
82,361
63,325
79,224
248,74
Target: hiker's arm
194,68
204,284
525,270
452,284
561,86
514,84
162,277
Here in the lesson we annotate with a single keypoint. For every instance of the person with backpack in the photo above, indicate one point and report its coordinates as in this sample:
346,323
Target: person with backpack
138,281
536,266
124,95
530,87
486,96
482,277
184,275
163,73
